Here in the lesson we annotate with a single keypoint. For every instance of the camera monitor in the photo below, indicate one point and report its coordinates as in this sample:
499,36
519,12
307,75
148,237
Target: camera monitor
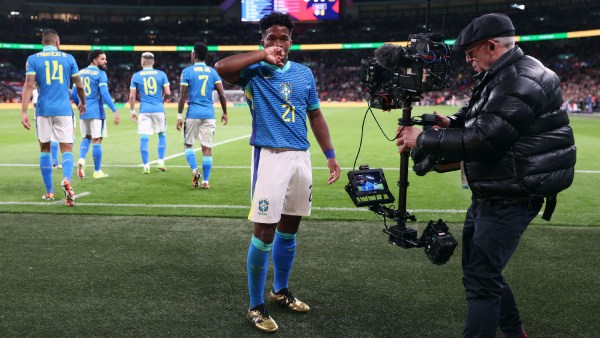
368,187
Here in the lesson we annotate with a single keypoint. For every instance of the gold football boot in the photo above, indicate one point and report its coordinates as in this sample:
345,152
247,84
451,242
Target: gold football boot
285,298
259,317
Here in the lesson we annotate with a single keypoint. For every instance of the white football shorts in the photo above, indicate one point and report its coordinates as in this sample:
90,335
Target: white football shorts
152,123
282,184
57,128
93,127
199,129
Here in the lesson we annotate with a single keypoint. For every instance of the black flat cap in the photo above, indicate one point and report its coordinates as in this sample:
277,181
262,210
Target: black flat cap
487,26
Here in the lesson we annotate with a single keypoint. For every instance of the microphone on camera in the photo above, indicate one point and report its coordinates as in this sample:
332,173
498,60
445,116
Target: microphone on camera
391,56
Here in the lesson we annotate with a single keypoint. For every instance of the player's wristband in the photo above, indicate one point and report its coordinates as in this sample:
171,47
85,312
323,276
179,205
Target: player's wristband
179,116
133,112
329,153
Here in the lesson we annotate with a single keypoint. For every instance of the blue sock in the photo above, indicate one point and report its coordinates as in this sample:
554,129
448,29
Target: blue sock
67,162
144,148
54,152
206,167
97,154
162,145
284,251
190,156
257,266
84,147
46,169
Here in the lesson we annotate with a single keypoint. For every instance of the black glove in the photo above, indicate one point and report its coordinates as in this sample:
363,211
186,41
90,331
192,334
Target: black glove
423,163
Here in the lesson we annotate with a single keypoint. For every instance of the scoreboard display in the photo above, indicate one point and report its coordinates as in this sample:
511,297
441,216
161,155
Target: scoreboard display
301,10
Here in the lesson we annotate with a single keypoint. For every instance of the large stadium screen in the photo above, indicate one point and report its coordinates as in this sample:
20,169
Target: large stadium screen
301,10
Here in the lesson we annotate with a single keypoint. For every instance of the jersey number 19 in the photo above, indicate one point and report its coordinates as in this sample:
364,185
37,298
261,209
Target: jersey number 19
150,86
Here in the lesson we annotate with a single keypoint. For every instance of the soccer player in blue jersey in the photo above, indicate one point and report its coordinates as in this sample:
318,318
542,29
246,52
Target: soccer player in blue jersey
198,82
281,95
153,86
53,72
95,84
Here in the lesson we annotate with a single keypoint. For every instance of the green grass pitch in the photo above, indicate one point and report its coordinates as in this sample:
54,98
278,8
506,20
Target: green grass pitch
148,255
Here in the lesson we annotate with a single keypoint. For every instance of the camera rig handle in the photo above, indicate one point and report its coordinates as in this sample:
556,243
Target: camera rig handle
403,183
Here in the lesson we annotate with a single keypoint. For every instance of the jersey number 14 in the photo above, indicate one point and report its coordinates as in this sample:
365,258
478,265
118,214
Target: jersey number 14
54,72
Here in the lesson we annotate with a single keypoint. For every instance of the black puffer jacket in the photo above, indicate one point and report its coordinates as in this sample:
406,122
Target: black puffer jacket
513,136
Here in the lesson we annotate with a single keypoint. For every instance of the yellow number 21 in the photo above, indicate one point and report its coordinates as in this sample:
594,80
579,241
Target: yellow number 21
288,109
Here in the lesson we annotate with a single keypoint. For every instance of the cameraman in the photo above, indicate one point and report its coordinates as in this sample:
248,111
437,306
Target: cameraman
517,148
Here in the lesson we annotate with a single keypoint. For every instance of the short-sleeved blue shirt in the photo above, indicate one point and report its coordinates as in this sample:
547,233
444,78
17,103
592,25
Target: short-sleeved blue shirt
279,99
149,82
201,80
93,78
53,70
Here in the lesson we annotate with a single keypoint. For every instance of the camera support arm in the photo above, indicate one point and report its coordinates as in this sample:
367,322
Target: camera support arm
403,184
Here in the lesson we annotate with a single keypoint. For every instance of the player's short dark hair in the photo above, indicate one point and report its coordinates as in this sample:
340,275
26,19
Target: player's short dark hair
201,51
276,18
94,54
49,36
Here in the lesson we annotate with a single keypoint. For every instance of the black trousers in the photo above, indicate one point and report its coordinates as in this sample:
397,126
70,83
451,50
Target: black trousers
491,235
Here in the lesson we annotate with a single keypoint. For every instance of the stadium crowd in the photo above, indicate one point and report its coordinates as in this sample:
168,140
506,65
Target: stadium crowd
337,72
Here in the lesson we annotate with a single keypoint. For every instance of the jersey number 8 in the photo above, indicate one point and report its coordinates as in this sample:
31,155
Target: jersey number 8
86,86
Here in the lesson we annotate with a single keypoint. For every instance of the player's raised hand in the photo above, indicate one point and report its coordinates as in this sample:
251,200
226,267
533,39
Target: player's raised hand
334,170
274,55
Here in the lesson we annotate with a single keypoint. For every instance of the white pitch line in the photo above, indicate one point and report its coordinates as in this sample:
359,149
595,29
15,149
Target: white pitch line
60,201
200,149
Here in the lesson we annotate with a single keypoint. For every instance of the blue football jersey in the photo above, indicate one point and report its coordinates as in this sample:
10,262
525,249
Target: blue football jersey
279,99
93,78
53,71
201,80
149,83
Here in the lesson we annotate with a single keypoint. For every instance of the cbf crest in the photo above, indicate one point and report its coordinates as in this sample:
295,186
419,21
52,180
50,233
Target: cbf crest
285,91
263,206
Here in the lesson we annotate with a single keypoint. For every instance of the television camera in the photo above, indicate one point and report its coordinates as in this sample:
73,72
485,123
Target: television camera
397,72
396,77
